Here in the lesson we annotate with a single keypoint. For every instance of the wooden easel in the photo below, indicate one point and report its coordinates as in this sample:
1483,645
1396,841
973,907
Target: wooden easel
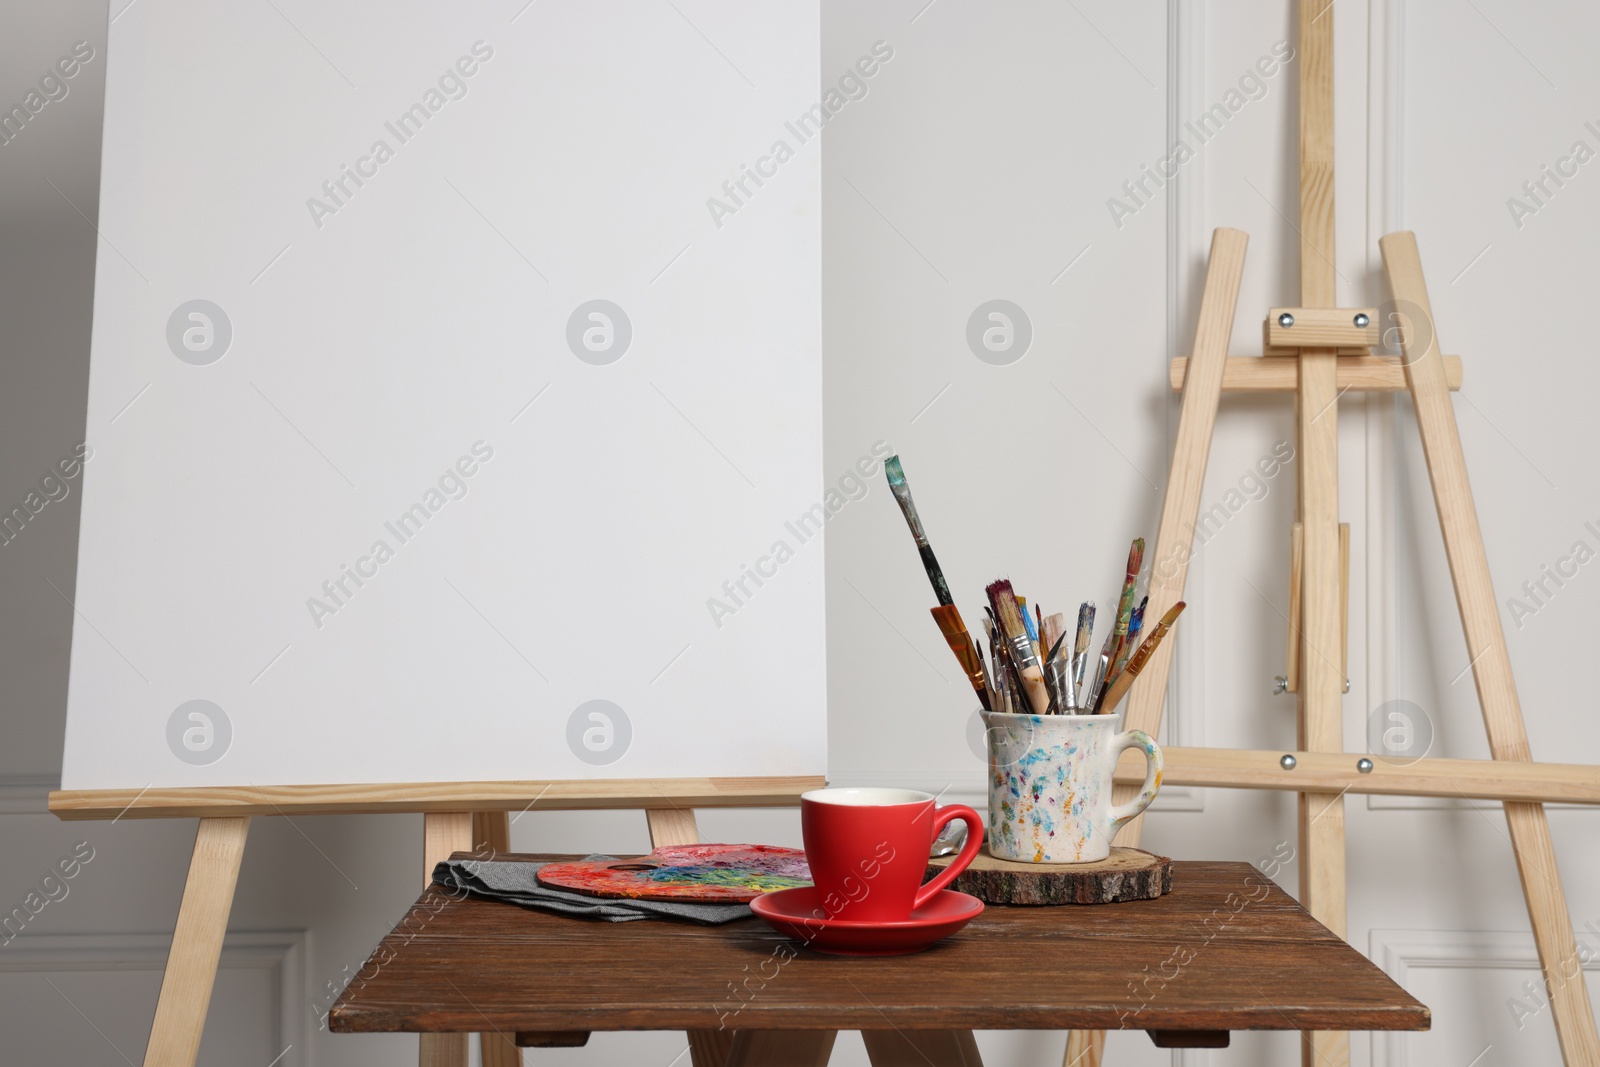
1319,351
456,817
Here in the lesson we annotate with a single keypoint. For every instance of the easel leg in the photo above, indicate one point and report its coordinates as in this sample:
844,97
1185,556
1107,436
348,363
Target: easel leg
1322,853
491,830
1169,569
913,1048
1084,1048
1486,644
1322,847
781,1048
443,834
677,826
197,943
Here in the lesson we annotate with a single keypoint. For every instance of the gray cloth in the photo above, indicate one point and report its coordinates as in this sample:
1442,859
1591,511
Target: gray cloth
518,883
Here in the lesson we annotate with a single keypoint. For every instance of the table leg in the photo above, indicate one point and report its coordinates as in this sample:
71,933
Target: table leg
197,943
781,1048
442,834
710,1048
913,1048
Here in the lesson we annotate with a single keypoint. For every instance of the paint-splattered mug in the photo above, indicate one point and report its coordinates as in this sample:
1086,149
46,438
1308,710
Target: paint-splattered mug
1050,779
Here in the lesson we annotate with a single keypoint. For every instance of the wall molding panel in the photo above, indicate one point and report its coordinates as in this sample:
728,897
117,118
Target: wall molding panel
283,954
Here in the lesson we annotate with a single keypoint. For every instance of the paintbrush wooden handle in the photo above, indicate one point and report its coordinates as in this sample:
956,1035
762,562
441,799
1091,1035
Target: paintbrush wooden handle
960,642
1038,692
1136,662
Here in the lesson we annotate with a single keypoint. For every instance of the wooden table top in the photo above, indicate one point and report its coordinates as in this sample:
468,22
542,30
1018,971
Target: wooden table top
1225,950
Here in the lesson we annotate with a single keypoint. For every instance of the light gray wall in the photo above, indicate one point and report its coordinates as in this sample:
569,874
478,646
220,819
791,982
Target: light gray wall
977,168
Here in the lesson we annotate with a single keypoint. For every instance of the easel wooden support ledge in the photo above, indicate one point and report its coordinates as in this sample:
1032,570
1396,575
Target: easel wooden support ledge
426,797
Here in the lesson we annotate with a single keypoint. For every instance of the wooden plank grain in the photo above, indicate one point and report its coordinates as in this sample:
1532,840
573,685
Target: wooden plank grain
526,971
491,832
443,835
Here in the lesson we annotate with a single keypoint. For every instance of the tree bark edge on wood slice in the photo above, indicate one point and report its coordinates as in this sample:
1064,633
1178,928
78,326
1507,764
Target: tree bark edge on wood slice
1127,874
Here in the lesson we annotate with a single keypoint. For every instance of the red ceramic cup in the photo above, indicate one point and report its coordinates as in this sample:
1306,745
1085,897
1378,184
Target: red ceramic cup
868,850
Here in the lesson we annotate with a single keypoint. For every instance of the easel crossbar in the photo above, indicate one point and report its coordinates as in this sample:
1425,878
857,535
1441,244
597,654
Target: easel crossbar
1338,772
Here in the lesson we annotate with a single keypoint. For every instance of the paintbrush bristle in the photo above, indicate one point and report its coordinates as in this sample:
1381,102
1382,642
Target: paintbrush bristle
1006,610
891,467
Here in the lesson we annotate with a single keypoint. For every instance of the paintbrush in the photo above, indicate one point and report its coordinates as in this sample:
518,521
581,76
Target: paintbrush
1114,694
1129,643
955,634
1024,657
1028,624
1051,627
1056,677
1125,605
996,700
1008,672
1080,649
1001,672
902,494
1091,702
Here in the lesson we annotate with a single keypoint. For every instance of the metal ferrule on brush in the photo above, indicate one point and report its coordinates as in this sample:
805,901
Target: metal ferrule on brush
902,495
1023,652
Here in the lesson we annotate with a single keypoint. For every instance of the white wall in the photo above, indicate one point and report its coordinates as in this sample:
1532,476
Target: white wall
984,153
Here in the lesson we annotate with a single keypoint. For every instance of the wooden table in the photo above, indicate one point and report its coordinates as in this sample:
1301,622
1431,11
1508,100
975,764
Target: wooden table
1225,950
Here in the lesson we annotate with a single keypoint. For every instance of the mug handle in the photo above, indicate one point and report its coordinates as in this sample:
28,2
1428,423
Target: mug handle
1154,762
969,851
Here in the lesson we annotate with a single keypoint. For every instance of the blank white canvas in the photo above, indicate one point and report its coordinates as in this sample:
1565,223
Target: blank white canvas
390,336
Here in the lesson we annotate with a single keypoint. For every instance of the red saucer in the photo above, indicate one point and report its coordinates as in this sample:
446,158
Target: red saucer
798,913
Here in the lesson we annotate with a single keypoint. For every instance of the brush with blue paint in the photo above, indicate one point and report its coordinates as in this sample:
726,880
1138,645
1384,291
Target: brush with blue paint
1135,624
902,495
946,615
1125,605
1114,693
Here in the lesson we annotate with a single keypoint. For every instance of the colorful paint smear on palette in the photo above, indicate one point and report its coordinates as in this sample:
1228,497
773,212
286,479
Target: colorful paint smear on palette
721,873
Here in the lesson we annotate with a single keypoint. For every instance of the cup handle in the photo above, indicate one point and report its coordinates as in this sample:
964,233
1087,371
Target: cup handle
1154,763
969,851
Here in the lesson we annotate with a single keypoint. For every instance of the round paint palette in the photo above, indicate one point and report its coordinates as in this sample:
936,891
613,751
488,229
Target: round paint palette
724,874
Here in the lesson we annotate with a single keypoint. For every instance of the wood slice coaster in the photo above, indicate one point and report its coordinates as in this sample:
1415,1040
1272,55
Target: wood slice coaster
1126,874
